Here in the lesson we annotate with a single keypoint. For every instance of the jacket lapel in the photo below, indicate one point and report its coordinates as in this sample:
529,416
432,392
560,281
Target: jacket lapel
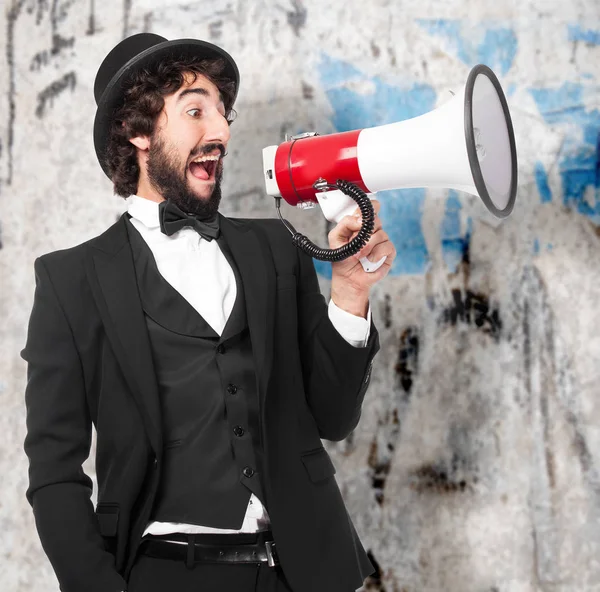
112,278
253,259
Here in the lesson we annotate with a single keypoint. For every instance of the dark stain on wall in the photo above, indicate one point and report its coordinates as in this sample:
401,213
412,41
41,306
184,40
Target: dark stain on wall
57,12
384,441
387,311
443,477
392,54
297,18
11,19
373,582
126,14
48,95
148,22
473,309
408,359
42,58
308,92
379,461
536,311
91,30
215,29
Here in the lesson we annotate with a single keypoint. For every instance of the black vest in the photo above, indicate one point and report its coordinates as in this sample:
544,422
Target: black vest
209,402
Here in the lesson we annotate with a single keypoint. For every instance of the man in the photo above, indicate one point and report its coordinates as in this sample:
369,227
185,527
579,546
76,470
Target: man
204,354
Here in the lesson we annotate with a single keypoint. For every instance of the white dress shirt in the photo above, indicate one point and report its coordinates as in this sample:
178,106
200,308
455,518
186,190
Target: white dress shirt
199,271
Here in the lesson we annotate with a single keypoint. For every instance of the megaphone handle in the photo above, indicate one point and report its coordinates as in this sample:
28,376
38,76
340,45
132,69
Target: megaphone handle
335,205
355,245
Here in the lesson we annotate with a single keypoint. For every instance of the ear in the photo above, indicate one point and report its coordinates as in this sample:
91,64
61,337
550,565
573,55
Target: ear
141,142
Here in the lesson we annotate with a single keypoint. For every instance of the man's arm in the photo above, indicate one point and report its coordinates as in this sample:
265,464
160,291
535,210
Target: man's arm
57,443
336,377
336,374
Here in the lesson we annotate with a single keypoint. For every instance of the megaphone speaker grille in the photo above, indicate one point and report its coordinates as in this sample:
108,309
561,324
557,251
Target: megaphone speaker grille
490,141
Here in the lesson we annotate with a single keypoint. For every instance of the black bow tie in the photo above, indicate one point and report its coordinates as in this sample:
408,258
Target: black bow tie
173,219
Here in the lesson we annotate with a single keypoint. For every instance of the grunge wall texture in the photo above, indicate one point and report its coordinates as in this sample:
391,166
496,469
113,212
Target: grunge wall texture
476,464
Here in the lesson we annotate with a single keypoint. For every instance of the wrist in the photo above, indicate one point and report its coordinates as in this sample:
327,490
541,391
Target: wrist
355,302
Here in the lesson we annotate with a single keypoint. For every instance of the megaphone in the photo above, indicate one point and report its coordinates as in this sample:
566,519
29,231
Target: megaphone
466,144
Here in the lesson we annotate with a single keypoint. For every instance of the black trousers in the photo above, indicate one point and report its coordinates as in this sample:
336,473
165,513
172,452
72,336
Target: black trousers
153,574
166,575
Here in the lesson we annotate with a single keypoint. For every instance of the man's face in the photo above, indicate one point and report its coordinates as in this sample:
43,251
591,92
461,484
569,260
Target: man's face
184,160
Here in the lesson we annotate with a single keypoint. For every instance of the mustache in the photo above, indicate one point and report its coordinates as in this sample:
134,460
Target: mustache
208,148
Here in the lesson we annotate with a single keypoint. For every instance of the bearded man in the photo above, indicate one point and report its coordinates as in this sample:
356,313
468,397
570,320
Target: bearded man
204,354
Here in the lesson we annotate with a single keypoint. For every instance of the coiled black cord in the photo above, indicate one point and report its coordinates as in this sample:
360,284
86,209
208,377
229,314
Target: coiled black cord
356,244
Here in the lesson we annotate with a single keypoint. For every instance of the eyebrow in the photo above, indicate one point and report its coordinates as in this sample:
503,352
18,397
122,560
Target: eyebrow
198,91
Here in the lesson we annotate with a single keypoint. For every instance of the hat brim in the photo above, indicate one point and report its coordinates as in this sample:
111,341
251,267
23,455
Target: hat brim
112,97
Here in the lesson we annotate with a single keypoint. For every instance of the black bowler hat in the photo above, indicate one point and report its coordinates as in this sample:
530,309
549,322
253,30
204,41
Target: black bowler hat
132,54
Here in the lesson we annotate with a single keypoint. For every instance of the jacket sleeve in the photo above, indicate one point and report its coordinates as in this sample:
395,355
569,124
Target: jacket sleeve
336,374
57,443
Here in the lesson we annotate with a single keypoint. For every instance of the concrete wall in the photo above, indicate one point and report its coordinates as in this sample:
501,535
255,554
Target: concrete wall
475,467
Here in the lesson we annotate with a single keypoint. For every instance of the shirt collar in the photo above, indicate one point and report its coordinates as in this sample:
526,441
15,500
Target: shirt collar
144,210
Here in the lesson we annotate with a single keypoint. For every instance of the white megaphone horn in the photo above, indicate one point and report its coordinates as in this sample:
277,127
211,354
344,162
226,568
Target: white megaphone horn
466,144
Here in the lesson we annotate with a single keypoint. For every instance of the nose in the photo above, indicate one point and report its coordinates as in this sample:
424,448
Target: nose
217,129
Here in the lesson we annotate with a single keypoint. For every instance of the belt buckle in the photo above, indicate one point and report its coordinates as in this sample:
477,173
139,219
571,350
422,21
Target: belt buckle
271,553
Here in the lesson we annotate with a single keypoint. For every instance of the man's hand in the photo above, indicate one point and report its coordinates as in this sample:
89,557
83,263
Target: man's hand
350,283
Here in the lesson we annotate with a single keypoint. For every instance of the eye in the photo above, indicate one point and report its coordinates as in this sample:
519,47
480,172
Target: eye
191,111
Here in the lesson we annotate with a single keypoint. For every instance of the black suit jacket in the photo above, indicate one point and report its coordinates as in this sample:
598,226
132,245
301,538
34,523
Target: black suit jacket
89,361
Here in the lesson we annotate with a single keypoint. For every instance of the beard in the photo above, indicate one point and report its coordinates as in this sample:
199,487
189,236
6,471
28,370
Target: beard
164,175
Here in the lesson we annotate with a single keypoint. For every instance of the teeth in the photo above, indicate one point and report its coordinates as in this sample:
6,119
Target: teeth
205,158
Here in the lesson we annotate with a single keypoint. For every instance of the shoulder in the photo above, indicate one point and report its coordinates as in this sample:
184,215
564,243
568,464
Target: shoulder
65,264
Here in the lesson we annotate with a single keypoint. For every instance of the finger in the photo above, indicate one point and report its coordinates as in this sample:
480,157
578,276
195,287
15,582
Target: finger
375,235
377,229
344,231
383,249
374,243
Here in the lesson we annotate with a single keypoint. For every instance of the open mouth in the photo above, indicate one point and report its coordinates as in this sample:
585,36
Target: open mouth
204,168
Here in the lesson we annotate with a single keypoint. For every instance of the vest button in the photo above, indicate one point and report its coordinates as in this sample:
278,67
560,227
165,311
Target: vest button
238,431
248,472
155,463
232,389
220,349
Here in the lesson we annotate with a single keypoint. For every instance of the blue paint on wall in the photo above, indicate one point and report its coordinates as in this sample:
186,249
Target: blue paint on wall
578,33
379,103
454,243
483,43
401,213
578,159
541,179
536,246
385,104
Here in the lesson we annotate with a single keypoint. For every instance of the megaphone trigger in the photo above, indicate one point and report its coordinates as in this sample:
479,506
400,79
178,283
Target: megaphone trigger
369,266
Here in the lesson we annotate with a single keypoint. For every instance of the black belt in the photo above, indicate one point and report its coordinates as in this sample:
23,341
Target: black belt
213,548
